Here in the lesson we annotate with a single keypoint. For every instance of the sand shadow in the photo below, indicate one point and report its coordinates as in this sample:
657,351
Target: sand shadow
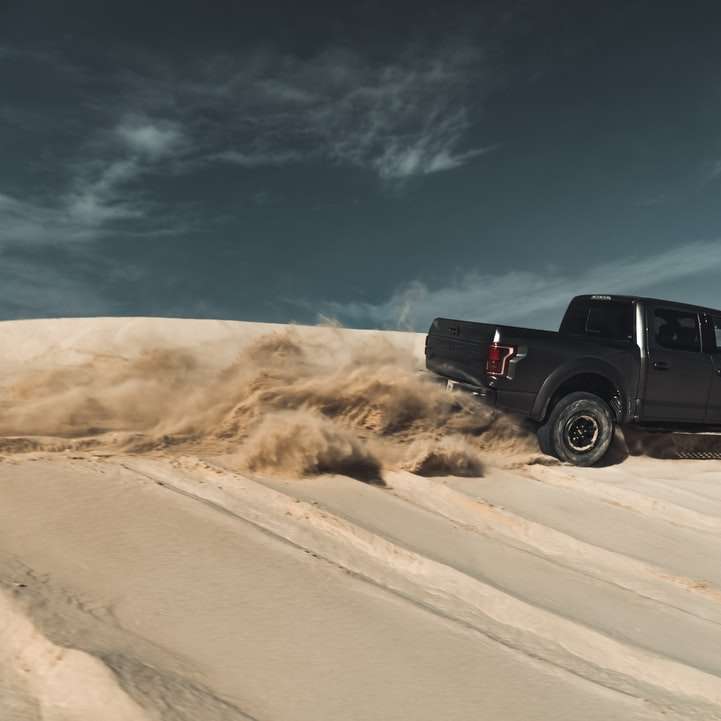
663,445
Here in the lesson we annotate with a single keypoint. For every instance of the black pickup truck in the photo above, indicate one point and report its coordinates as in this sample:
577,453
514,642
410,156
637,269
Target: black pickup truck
614,360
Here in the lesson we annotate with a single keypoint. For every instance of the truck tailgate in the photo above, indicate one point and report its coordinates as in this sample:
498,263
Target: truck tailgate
457,349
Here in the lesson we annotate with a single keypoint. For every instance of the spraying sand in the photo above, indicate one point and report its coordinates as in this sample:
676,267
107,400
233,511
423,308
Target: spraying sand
317,400
183,535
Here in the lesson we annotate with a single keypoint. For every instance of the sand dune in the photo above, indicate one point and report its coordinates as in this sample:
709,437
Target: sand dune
185,534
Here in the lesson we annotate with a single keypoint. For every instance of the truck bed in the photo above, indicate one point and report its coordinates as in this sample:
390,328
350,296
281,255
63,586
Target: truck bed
457,349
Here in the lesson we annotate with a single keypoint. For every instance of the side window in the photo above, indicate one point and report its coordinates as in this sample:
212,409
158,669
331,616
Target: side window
676,330
716,323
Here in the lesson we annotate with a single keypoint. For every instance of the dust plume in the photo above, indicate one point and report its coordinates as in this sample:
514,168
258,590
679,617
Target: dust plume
317,401
306,443
450,455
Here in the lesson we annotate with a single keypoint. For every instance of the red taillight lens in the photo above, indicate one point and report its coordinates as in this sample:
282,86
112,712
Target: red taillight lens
498,358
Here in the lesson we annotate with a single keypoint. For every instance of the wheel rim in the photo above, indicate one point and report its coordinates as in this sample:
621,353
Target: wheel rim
582,433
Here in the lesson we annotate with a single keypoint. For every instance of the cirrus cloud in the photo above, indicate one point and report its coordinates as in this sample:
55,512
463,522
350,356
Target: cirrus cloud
408,115
517,296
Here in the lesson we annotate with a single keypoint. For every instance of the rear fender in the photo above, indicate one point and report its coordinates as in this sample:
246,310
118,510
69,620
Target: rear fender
578,367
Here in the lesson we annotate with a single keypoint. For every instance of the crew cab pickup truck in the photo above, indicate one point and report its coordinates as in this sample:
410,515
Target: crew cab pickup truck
614,360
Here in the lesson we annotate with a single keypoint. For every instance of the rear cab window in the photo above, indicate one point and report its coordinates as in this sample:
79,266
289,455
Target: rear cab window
600,318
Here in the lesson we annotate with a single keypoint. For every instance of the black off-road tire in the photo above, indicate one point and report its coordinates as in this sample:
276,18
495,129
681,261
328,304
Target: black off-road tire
579,429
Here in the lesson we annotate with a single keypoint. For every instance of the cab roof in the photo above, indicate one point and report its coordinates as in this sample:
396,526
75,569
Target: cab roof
650,301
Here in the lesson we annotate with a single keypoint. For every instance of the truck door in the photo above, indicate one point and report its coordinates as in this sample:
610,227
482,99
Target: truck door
714,399
678,376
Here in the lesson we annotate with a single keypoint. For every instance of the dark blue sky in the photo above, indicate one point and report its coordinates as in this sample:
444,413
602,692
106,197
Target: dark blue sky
380,164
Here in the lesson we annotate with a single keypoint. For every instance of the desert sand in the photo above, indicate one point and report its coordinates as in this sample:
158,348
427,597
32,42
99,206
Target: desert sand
206,520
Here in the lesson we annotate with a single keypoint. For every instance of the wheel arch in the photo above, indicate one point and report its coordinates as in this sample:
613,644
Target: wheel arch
592,376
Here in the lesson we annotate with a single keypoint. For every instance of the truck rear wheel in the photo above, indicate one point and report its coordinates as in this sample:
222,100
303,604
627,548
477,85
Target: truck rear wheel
579,429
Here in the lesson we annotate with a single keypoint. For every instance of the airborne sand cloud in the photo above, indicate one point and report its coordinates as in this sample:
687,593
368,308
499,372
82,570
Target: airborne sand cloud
289,403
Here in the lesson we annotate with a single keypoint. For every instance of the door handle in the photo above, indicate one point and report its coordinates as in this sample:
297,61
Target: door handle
718,371
661,365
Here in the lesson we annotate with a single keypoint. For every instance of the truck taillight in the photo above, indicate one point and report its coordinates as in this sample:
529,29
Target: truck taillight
498,358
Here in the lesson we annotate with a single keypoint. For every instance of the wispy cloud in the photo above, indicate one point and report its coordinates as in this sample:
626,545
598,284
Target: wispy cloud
401,119
149,139
516,296
715,172
259,158
34,289
24,222
407,116
97,196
